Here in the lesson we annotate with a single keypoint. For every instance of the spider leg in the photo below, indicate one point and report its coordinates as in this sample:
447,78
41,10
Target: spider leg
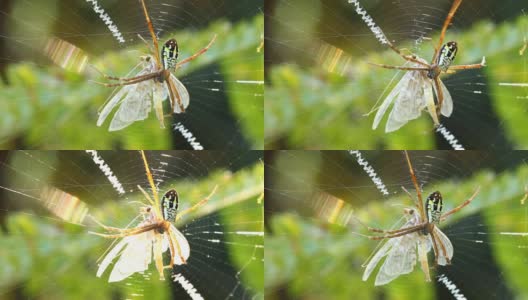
433,238
399,68
171,246
178,248
410,196
158,255
127,232
416,187
129,81
151,182
411,58
439,95
106,76
442,247
152,33
447,21
105,227
146,195
389,236
202,202
146,43
397,230
454,210
466,67
174,95
188,59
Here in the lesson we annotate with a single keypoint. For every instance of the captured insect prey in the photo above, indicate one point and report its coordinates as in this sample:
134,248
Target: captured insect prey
421,84
154,82
155,233
415,238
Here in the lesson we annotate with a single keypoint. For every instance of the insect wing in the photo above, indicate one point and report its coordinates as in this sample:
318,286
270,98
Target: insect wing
429,100
159,95
400,260
111,255
181,94
389,99
448,247
136,257
393,267
447,105
409,103
377,257
424,246
116,99
135,106
181,246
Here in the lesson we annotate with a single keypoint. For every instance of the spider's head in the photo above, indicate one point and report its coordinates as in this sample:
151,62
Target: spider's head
169,54
169,205
433,207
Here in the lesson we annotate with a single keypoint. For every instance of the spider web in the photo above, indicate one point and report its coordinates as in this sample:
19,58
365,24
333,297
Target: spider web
48,196
317,202
328,45
225,84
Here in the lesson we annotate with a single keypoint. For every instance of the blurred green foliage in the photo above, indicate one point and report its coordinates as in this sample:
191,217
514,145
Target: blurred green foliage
313,259
50,108
314,108
45,257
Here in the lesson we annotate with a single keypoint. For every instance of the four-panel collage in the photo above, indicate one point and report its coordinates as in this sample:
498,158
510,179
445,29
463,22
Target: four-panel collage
263,149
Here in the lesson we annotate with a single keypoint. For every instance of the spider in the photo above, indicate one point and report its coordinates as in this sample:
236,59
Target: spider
414,92
156,230
418,233
155,81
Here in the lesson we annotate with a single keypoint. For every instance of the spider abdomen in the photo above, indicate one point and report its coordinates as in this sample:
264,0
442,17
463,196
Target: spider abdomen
433,207
444,60
169,205
169,54
447,55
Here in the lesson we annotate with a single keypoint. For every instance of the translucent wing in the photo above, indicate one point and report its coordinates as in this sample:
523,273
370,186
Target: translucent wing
400,252
136,256
134,100
135,106
180,92
116,99
447,104
389,99
158,253
111,255
424,246
400,260
409,103
429,100
182,246
411,95
448,247
158,96
121,91
377,257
